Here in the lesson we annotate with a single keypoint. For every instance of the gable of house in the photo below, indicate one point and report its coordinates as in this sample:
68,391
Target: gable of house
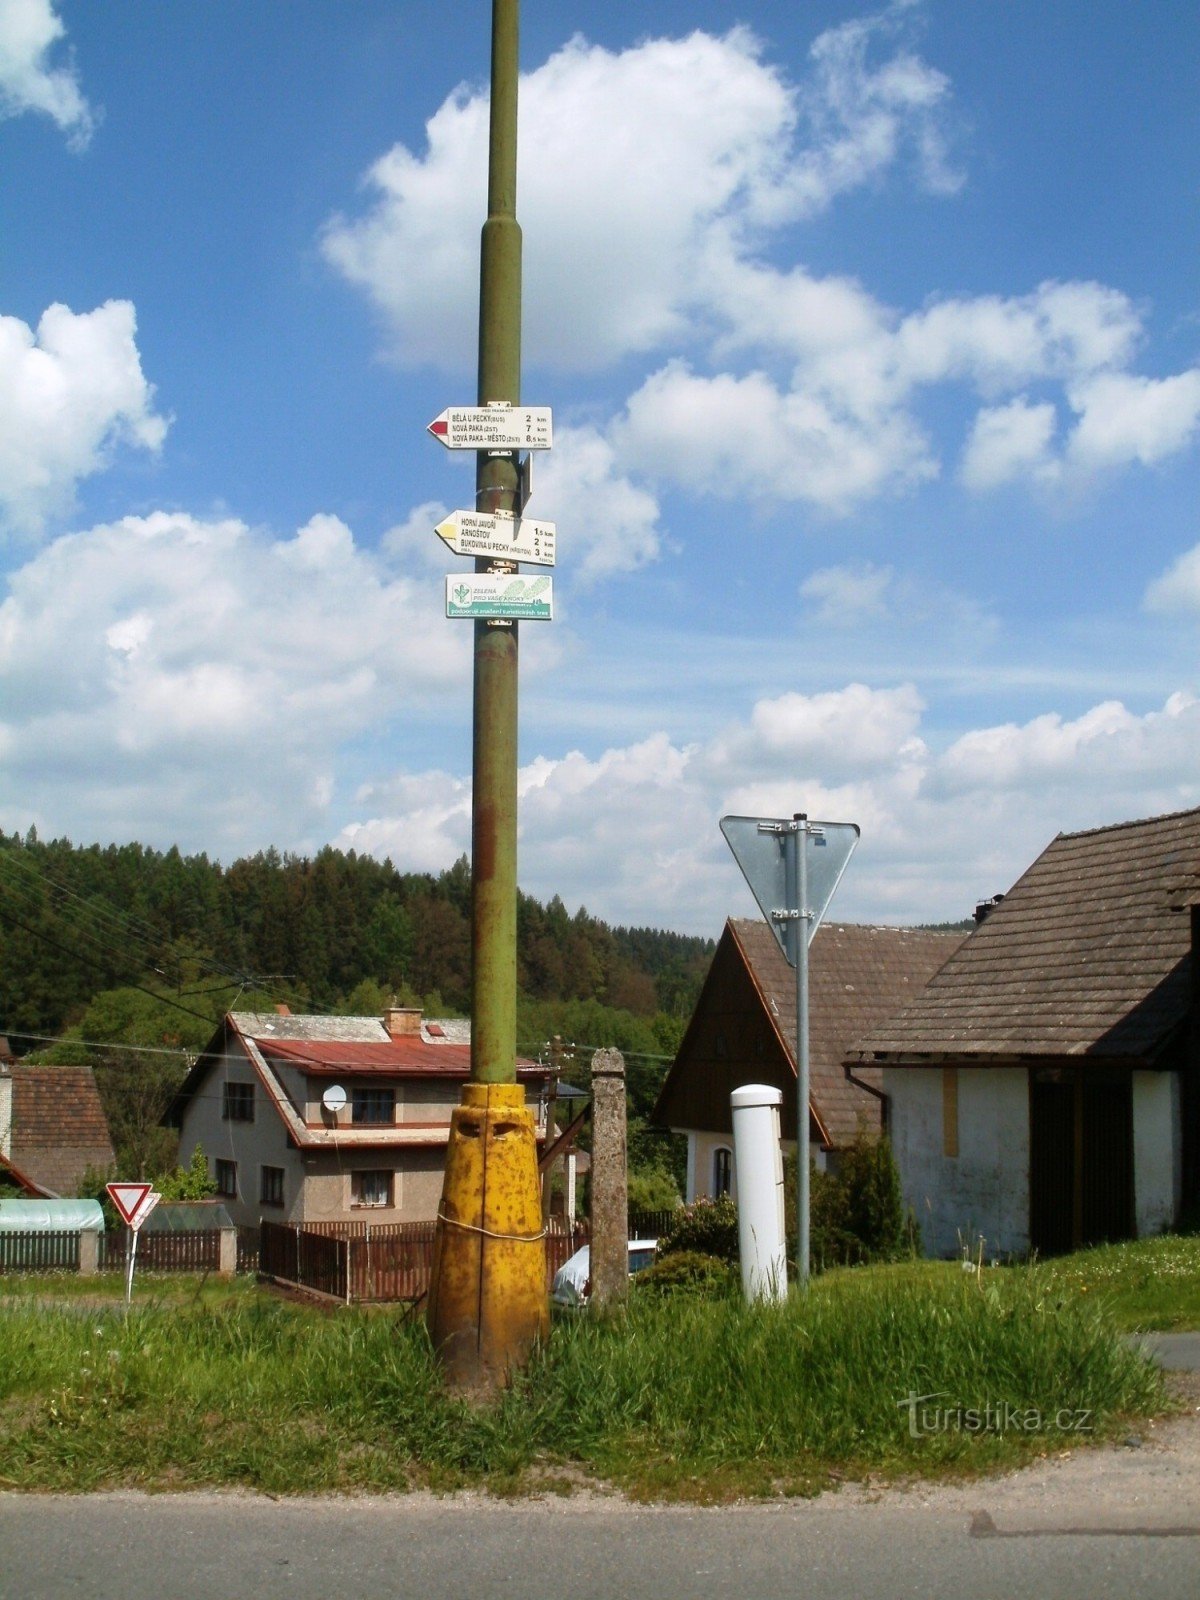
56,1126
310,1118
744,1027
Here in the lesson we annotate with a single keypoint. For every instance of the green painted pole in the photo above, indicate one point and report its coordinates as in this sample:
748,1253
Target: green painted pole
487,1298
494,804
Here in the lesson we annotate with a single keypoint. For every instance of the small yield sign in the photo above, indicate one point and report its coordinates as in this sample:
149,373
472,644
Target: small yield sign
134,1202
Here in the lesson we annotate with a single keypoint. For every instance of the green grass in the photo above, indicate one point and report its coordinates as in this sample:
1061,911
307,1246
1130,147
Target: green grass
681,1397
1145,1285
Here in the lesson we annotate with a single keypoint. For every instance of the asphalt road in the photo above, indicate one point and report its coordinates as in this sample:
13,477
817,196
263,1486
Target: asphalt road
1090,1524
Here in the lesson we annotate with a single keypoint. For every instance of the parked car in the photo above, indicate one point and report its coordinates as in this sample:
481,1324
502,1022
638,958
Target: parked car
572,1285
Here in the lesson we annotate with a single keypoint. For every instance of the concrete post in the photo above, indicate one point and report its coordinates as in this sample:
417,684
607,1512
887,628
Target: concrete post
227,1259
89,1254
610,1190
755,1109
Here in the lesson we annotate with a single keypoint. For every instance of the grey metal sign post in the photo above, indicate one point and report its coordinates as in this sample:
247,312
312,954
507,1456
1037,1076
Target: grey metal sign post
793,868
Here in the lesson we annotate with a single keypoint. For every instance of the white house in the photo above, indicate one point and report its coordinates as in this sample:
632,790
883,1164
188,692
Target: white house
328,1119
1043,1092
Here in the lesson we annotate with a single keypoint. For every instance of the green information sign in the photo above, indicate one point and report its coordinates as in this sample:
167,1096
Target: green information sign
482,597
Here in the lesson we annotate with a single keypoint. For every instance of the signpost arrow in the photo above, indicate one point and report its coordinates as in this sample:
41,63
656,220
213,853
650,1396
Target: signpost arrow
494,427
499,533
793,868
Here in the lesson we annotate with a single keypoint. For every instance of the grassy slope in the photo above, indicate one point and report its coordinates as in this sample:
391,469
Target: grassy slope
206,1385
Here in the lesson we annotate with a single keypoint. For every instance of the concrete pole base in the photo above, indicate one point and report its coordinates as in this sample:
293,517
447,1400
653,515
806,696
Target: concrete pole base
487,1296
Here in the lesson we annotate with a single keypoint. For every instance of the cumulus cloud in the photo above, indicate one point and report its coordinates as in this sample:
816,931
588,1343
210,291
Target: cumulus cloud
676,141
745,438
71,391
1125,418
759,380
637,825
29,30
213,673
1008,442
1178,589
610,523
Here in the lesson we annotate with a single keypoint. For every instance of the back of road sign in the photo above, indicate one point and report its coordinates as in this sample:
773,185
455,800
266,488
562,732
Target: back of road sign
760,845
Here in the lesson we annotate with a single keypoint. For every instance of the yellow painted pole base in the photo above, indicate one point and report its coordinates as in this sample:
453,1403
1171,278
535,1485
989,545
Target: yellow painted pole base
487,1297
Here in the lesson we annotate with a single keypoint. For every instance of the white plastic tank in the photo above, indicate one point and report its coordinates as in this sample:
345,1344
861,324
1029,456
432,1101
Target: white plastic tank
759,1164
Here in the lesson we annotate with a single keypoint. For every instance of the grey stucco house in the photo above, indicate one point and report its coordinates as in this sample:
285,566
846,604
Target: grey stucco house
1043,1090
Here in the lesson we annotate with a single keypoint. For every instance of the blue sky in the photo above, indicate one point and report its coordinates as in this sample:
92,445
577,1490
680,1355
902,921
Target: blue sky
872,341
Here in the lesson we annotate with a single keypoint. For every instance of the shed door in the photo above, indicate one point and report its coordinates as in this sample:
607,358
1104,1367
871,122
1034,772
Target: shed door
1081,1158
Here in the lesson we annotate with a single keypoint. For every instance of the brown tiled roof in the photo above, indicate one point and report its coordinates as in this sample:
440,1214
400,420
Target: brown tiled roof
856,976
1088,955
58,1125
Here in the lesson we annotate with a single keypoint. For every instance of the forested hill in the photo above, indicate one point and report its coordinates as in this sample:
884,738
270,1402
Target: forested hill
337,932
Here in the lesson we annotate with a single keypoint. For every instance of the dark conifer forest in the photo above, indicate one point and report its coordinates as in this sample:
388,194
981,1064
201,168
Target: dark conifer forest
126,957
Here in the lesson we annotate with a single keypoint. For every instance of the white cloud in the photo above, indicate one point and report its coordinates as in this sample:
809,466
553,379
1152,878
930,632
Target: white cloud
1107,746
69,394
167,672
29,30
633,164
862,115
609,524
1178,589
744,438
845,596
654,183
1008,442
1125,418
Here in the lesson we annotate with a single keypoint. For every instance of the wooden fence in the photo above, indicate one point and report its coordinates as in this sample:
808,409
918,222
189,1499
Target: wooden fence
39,1252
369,1261
198,1250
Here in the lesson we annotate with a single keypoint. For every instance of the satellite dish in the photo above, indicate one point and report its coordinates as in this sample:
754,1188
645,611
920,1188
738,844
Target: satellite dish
334,1098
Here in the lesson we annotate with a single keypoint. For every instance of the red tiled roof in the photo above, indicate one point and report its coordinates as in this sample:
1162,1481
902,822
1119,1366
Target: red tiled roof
404,1056
58,1125
53,1106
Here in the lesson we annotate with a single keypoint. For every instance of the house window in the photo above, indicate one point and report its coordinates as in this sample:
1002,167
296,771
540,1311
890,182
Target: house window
227,1179
271,1192
238,1102
374,1105
722,1171
372,1188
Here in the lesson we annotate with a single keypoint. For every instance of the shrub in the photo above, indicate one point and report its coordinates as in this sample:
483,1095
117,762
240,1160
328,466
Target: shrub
686,1272
652,1189
709,1227
856,1213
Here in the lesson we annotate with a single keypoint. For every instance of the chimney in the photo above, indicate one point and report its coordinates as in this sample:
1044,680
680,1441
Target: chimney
984,908
403,1022
282,1009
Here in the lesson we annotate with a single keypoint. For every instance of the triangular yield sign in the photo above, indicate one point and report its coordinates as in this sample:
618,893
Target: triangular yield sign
129,1199
759,845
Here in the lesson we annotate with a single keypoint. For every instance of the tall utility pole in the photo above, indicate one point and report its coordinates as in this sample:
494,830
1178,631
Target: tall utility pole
487,1299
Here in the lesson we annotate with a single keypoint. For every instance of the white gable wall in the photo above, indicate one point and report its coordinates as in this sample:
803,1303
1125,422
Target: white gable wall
983,1192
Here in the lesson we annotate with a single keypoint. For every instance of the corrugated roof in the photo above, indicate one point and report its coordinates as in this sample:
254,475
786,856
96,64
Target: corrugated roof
857,975
405,1055
1088,955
